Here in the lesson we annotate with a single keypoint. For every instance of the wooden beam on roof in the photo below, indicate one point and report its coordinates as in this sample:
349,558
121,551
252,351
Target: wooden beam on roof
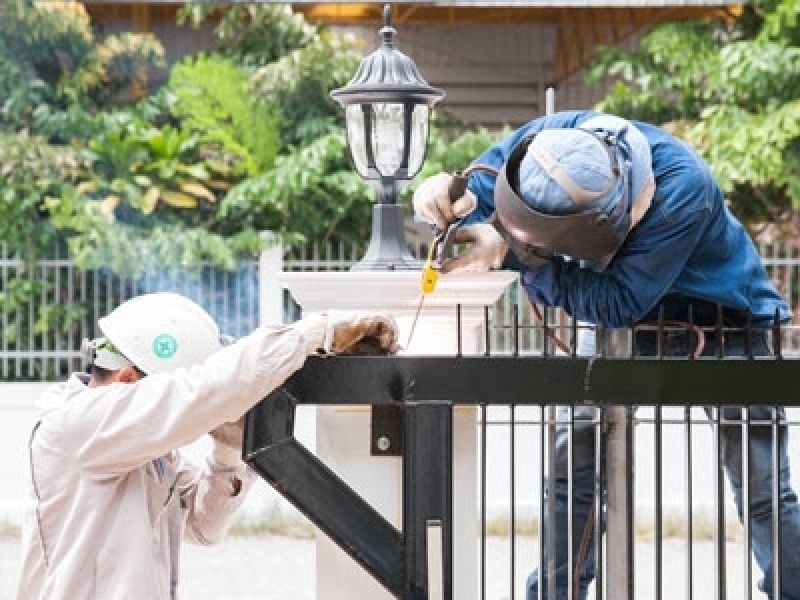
580,31
578,28
363,13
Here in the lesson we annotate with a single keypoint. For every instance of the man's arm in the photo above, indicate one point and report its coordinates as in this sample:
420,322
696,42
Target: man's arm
212,495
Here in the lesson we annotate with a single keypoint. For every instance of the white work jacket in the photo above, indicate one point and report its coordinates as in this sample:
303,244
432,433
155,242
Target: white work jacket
110,498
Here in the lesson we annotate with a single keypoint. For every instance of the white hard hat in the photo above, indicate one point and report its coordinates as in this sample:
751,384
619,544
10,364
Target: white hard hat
161,332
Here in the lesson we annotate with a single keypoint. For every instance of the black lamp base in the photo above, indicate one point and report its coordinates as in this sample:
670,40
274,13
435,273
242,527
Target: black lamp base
388,250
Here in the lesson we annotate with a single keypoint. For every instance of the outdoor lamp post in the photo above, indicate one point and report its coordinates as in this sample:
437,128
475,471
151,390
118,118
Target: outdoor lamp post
387,105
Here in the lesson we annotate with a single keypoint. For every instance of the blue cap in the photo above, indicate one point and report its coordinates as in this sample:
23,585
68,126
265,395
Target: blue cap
566,171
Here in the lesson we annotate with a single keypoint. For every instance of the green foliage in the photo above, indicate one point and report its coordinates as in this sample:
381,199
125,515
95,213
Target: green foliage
49,59
730,87
212,101
253,34
30,170
300,83
139,166
451,152
312,193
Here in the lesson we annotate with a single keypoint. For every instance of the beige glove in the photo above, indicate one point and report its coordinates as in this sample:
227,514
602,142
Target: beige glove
487,249
432,201
344,332
227,438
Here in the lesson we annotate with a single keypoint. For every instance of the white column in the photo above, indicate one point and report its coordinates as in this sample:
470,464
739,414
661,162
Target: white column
343,433
270,267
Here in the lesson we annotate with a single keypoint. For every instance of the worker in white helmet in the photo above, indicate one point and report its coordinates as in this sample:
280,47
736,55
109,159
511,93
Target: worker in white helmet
110,496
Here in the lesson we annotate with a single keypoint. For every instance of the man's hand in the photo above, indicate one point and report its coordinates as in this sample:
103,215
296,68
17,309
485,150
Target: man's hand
227,440
344,332
487,249
432,201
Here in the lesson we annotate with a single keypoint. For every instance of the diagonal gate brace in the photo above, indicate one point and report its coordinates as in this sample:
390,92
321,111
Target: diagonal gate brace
404,562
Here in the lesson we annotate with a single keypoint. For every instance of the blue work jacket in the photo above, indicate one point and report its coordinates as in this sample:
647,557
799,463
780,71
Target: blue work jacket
688,244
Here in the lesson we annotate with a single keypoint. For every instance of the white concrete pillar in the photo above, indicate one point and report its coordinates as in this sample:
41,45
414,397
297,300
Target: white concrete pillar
343,433
270,267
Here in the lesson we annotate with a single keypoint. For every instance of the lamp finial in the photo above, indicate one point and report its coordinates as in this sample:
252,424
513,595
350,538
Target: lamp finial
387,31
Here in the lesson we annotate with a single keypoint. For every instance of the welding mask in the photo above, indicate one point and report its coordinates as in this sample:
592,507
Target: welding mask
574,192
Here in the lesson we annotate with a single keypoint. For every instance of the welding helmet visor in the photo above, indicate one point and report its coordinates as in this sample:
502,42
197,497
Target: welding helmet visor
569,192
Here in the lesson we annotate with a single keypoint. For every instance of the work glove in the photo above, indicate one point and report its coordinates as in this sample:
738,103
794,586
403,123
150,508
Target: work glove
227,438
432,201
346,332
487,249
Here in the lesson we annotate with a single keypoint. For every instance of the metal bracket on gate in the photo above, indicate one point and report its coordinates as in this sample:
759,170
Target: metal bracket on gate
386,430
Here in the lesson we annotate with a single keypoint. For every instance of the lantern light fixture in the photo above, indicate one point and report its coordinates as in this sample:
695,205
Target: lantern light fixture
387,107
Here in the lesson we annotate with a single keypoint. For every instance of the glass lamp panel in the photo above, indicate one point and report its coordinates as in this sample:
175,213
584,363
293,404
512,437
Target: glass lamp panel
356,136
387,137
419,138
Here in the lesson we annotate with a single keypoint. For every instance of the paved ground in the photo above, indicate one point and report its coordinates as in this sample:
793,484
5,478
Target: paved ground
277,568
252,568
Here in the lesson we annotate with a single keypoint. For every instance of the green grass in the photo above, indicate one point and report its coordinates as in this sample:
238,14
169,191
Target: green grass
274,521
673,525
9,530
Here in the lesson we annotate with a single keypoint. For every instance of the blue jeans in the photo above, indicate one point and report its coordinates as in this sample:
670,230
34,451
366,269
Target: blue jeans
760,475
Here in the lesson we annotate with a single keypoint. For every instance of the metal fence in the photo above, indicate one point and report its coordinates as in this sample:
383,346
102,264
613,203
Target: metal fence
47,308
711,418
658,427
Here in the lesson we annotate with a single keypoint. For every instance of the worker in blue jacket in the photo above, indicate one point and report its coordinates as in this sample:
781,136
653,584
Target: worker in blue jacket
620,224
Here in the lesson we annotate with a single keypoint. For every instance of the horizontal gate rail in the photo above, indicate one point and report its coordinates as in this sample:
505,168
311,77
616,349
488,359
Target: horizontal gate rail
504,380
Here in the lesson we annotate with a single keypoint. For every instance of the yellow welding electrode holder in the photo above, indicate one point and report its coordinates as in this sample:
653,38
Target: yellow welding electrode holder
429,275
443,242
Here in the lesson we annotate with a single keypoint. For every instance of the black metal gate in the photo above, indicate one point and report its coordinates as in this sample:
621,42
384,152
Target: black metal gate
413,398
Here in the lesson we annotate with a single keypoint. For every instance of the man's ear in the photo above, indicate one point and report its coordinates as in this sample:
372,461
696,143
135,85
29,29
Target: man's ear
127,374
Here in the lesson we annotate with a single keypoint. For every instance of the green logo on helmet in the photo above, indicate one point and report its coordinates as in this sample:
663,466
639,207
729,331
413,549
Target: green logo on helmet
165,346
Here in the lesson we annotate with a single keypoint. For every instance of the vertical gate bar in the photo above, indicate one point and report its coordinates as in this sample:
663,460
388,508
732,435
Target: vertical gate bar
43,335
428,495
543,568
630,462
459,347
777,592
72,296
599,486
657,441
776,335
4,258
748,340
545,337
746,491
574,345
513,502
434,559
84,326
57,341
570,503
487,330
629,500
719,501
551,504
515,335
483,501
619,481
687,412
31,319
